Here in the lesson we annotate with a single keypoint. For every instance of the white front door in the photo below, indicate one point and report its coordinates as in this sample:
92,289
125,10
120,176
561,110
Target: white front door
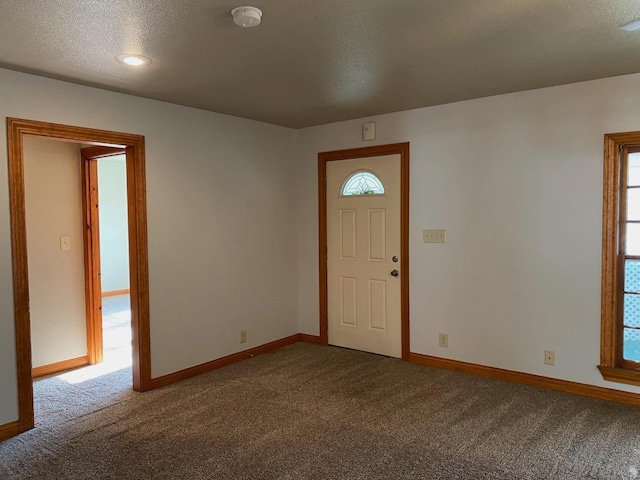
363,254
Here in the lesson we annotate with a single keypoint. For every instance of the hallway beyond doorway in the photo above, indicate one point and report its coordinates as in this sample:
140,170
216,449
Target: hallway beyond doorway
116,330
116,324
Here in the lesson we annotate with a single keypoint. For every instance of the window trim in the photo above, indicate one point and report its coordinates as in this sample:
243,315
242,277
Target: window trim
612,366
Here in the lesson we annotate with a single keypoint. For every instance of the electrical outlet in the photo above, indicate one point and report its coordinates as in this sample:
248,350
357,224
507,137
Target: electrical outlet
243,336
433,236
443,340
549,357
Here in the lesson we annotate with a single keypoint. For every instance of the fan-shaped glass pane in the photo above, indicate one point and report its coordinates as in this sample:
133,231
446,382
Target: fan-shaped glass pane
363,183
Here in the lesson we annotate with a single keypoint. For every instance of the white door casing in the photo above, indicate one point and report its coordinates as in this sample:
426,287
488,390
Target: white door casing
363,237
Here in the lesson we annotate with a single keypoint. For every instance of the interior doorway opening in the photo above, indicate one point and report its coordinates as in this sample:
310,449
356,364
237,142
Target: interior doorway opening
70,326
133,147
114,260
106,256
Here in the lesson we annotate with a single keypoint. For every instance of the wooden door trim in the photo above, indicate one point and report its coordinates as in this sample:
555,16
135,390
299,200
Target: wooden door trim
401,149
138,254
102,152
91,241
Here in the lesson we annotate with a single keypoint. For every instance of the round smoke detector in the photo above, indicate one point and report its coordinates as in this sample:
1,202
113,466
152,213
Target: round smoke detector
246,16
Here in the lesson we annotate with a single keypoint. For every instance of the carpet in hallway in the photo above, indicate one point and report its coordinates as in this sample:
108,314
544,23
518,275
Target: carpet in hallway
310,412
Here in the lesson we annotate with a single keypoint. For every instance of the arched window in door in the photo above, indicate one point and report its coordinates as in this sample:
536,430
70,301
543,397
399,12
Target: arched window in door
362,183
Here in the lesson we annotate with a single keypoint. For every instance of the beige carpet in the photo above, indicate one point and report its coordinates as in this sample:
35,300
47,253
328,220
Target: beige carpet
310,412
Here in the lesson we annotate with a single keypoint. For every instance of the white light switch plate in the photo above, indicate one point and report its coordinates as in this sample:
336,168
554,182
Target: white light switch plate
65,243
433,236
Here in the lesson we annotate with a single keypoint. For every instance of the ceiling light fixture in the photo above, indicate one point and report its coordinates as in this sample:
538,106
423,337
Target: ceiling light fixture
631,26
133,60
246,16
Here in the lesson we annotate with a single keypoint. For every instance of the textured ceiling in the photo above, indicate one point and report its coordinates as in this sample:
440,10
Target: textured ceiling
312,62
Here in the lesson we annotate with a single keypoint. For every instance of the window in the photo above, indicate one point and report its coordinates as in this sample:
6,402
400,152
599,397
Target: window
620,330
363,183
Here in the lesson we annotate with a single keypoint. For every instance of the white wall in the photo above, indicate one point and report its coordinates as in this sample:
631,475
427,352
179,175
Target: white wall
114,229
53,207
516,181
222,233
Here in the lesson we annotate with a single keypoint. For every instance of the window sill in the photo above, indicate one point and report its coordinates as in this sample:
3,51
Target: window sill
621,375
